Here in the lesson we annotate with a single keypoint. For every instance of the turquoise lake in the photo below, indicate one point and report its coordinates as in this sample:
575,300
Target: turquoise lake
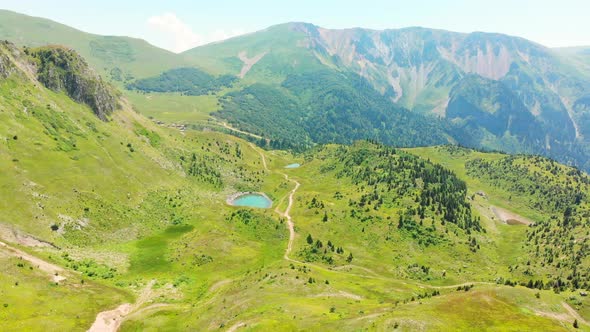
292,165
252,200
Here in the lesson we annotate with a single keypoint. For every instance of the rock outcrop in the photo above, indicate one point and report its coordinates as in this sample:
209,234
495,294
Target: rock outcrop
63,70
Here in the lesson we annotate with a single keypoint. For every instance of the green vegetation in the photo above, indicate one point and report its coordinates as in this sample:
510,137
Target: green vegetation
30,302
188,81
551,186
326,107
61,69
119,58
363,236
341,86
562,193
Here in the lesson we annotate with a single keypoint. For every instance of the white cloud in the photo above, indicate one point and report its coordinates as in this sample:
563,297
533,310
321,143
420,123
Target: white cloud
183,36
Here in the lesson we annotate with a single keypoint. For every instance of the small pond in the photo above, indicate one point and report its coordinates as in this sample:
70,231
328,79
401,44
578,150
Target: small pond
293,165
255,200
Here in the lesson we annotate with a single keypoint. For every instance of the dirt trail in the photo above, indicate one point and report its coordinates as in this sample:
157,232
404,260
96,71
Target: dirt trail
219,284
262,156
459,285
340,294
236,326
226,126
574,313
153,307
53,270
11,234
111,320
351,266
566,317
287,215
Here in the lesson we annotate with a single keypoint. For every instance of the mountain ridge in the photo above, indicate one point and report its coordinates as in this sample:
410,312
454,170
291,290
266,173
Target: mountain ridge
105,53
417,68
414,68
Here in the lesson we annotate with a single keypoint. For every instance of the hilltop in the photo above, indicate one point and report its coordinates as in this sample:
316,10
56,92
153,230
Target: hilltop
119,58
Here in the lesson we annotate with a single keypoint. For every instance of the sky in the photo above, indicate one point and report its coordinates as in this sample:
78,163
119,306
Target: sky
178,25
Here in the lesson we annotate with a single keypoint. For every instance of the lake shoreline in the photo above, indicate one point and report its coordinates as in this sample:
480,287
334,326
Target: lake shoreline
233,197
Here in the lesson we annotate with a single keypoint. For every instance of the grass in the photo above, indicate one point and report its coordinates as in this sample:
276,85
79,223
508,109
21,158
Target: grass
129,204
174,108
150,256
30,302
132,57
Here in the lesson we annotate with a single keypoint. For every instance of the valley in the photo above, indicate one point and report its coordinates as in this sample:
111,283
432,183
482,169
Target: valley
303,186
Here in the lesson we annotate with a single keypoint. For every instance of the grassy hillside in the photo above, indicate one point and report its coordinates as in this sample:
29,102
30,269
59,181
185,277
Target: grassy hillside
106,197
553,196
483,90
97,214
118,58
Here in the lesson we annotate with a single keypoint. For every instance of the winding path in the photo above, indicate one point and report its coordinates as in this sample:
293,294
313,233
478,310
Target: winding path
55,272
287,215
574,313
111,320
226,126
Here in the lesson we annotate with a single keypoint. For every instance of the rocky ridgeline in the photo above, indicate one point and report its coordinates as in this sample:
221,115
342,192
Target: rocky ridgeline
6,65
62,70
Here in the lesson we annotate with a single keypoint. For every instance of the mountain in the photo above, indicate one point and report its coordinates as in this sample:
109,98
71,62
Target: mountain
421,80
424,70
112,221
579,55
120,58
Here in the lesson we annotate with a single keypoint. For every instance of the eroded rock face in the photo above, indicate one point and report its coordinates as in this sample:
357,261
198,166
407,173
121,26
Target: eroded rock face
63,70
6,65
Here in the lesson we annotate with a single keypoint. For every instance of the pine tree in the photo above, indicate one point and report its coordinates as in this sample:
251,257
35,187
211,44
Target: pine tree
349,259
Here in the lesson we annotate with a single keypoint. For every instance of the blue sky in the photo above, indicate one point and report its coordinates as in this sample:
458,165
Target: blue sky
182,24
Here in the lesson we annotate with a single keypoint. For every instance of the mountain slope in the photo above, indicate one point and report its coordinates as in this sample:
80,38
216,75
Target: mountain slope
97,215
327,107
579,55
415,68
121,58
82,193
423,69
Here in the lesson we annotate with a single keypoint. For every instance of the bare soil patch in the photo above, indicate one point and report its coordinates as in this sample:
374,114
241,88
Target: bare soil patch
248,62
509,217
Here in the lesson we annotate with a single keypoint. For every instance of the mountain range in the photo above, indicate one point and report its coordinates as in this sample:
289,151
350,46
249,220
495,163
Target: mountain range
130,183
483,90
